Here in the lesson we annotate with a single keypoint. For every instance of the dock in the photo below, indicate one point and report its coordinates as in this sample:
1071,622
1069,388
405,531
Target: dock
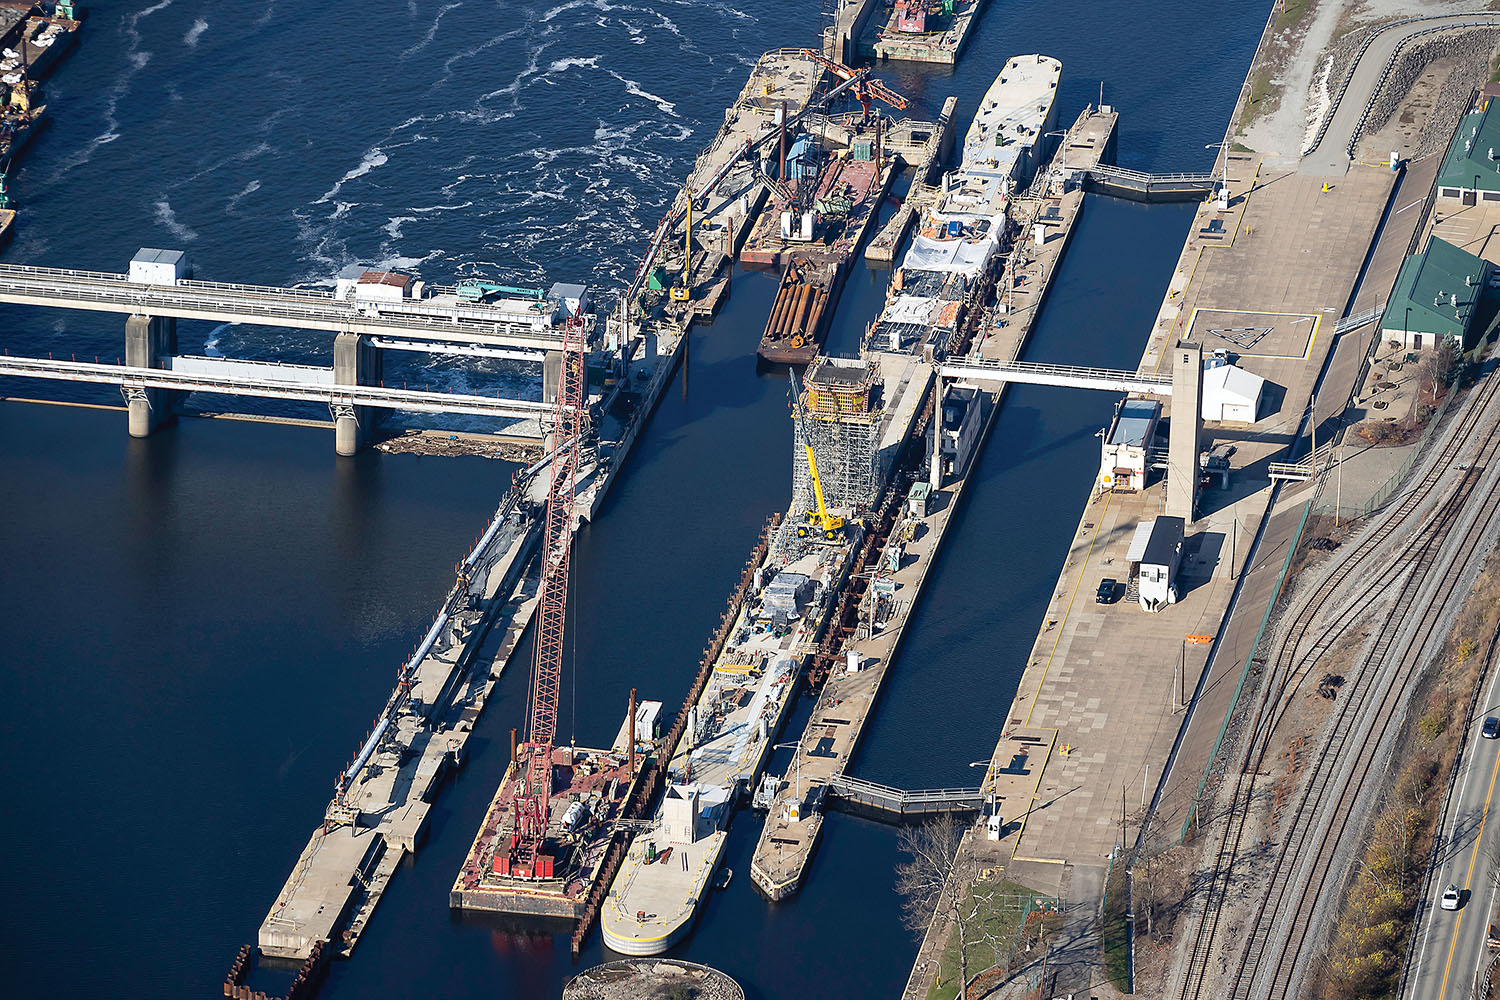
382,814
920,31
790,837
925,160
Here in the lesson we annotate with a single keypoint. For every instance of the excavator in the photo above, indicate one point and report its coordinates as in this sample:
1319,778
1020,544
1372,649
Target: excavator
818,525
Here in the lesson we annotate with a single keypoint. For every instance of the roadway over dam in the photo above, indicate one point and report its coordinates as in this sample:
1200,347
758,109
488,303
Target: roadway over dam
433,321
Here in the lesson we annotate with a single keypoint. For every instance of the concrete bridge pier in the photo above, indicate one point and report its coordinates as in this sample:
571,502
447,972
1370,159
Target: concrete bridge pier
148,339
551,375
356,361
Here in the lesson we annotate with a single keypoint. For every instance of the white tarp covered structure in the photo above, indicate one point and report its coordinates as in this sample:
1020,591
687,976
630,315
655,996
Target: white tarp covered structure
1231,394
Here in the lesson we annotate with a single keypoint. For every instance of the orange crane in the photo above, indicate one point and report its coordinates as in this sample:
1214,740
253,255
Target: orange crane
528,857
866,87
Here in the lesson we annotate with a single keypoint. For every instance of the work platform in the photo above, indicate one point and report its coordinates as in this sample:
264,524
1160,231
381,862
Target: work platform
343,871
936,35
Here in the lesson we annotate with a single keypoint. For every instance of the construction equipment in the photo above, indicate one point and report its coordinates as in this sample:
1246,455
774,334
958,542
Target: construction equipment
475,290
816,524
528,857
680,293
866,88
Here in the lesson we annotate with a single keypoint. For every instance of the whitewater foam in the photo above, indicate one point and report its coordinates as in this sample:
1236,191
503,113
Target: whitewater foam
374,157
168,218
195,32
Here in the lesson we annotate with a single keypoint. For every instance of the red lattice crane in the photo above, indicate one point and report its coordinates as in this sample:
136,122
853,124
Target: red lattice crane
866,87
528,857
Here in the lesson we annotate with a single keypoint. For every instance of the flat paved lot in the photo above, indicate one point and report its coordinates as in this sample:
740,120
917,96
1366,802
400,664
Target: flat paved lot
1106,681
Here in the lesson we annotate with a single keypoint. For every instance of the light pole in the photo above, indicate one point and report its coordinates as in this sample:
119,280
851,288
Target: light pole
986,780
798,758
1223,148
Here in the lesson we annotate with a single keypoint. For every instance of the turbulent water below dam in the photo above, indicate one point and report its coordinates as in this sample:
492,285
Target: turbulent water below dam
200,626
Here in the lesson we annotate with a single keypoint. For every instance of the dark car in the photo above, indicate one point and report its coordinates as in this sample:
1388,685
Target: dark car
1491,728
1108,591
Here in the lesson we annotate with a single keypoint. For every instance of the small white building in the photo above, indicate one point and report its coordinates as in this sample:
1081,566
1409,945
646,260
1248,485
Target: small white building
1230,394
159,267
1157,551
1124,462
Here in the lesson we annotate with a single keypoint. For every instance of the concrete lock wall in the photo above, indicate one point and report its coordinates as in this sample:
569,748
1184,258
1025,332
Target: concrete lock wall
356,361
148,339
1182,442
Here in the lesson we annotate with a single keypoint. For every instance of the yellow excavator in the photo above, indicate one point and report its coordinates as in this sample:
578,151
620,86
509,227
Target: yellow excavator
816,524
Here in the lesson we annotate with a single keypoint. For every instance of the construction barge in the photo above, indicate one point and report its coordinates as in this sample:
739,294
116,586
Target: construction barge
827,190
594,790
924,31
859,417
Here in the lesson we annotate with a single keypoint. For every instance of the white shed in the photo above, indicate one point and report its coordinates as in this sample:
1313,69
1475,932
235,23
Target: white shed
159,267
1159,560
1231,394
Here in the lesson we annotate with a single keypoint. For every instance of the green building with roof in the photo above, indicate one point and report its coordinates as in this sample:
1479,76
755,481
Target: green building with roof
1471,167
1435,297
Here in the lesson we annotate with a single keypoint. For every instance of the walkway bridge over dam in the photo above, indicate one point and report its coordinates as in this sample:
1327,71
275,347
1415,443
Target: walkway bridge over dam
367,315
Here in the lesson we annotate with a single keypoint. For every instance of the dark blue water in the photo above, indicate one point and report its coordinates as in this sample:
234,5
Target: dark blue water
200,626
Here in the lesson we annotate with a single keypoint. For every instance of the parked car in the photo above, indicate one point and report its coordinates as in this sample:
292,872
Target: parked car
1450,898
1491,728
1108,592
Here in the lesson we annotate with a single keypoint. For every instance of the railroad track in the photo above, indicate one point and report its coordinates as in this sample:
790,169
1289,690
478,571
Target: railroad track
1373,680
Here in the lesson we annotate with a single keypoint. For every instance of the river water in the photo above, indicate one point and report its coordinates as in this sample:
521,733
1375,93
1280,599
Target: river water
199,627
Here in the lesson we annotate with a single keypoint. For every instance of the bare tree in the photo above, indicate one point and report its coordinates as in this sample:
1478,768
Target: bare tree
1437,367
938,878
1158,868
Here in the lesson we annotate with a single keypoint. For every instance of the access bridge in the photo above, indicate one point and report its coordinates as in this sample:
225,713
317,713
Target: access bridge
427,323
368,315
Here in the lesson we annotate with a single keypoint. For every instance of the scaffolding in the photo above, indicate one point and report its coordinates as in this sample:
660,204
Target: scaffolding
841,407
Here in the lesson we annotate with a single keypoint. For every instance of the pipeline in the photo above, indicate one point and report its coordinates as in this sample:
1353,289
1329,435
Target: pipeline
780,306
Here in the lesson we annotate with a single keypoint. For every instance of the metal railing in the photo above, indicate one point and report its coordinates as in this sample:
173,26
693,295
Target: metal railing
130,377
905,803
1111,380
263,305
1126,174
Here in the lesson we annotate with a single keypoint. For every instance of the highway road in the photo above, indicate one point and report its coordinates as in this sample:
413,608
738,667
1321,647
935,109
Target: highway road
1451,951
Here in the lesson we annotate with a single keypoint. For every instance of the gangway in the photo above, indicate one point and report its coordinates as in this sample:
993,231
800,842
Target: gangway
887,802
1069,376
1137,184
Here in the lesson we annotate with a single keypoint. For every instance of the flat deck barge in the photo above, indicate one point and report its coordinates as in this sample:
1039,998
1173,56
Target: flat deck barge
594,790
925,31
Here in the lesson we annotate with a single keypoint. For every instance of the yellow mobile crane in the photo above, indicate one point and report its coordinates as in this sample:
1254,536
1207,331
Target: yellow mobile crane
815,523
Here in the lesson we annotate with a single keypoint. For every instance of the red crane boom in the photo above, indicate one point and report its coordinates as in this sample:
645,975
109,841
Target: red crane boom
528,858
